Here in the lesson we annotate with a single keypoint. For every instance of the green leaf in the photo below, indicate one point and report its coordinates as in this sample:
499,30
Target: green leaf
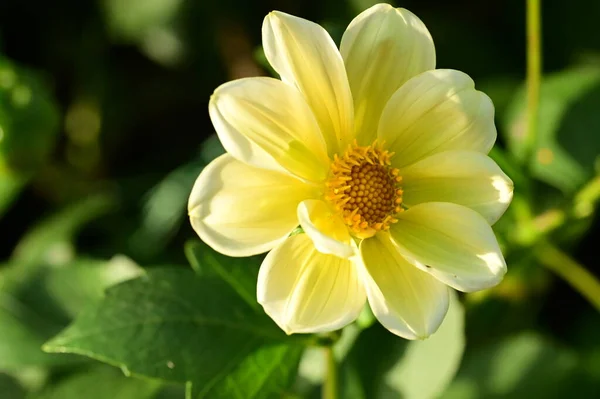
427,367
101,382
10,388
565,154
35,306
240,273
82,282
266,373
22,331
172,391
270,369
523,366
177,326
37,300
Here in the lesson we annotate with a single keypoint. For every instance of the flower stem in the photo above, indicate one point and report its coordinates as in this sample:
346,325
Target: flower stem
534,71
570,271
330,386
586,198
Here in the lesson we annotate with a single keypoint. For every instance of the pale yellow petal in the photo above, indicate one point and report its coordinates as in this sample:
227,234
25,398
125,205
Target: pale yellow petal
383,47
326,228
305,56
267,115
437,111
466,178
407,301
451,242
306,291
240,210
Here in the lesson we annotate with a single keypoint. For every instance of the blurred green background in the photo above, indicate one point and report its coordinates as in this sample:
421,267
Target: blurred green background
104,128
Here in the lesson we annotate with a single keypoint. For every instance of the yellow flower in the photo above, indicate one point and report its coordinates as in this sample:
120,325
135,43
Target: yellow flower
378,156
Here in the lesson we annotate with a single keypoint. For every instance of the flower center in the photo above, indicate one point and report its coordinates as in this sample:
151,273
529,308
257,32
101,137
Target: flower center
365,189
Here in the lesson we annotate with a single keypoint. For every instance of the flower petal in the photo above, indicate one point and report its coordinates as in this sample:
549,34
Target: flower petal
383,47
326,228
466,178
407,301
240,210
437,111
305,56
451,242
304,290
268,114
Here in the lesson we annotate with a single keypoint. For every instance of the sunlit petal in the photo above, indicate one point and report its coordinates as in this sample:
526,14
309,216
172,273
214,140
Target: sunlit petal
466,178
240,210
437,111
383,47
305,56
451,242
255,117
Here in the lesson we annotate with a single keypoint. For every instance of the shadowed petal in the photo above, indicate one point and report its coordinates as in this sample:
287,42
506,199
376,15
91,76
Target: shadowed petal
304,290
407,301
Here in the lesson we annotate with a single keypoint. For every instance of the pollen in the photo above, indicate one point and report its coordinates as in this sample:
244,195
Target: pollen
365,189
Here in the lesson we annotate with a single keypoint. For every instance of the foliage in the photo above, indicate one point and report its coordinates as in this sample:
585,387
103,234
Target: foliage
105,293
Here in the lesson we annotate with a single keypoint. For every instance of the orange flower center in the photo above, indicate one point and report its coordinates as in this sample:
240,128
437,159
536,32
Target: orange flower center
365,189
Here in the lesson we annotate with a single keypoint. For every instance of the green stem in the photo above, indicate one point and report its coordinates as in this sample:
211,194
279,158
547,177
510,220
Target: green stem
330,386
570,271
534,71
586,198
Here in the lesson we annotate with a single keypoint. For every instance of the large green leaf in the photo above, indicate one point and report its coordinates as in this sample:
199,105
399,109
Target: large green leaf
240,273
10,388
177,326
101,382
567,149
36,305
265,373
28,316
268,370
20,343
82,282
